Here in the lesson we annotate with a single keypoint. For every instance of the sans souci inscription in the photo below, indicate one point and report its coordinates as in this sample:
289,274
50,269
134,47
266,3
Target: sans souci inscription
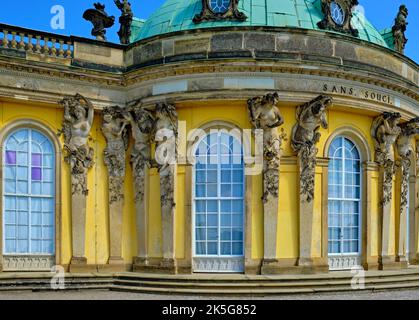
359,93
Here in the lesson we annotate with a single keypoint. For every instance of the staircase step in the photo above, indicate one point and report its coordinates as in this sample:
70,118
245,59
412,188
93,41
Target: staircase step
260,291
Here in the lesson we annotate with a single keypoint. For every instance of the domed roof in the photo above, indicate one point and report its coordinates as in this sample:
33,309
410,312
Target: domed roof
177,15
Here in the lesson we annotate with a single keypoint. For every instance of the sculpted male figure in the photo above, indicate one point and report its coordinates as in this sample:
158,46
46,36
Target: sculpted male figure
310,117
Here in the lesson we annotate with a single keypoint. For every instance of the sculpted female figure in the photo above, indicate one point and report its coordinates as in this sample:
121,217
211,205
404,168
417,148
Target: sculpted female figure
142,124
78,121
114,128
265,115
166,135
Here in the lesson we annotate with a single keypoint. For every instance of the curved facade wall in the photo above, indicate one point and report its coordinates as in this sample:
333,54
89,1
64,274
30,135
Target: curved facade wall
209,76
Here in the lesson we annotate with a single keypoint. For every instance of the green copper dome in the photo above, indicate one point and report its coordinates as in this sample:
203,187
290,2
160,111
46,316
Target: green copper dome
177,15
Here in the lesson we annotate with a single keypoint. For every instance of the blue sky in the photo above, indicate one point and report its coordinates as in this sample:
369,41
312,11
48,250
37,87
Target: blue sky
36,14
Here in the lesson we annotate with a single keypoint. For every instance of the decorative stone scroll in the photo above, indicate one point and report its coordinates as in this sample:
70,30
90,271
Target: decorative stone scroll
399,29
310,117
385,131
125,20
142,126
114,128
405,151
77,124
338,15
100,20
265,115
166,137
209,14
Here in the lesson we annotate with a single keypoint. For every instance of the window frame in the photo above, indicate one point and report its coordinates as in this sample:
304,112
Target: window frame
28,195
342,200
196,145
50,133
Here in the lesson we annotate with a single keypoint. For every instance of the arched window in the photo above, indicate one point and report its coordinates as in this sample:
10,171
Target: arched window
344,204
219,205
28,194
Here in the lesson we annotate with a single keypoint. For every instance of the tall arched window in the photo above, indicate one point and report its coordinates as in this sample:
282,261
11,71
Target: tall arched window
28,194
344,204
219,205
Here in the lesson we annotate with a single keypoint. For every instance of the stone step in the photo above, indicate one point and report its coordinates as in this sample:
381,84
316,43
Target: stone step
332,276
44,283
48,288
260,291
251,284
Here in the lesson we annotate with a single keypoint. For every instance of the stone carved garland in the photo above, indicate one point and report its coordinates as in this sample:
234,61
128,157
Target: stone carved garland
265,115
385,131
310,117
329,23
207,14
114,128
77,124
166,137
142,124
399,29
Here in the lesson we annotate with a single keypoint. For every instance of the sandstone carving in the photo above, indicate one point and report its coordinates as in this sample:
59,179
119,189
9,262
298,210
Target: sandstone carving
166,136
385,131
405,151
232,13
114,128
125,20
142,126
310,117
100,20
399,29
265,115
343,23
78,120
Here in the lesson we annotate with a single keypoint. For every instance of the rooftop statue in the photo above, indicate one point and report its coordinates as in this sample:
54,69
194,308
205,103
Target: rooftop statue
125,20
100,20
399,29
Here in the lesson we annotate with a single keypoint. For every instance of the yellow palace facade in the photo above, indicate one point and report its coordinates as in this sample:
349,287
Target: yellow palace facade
222,139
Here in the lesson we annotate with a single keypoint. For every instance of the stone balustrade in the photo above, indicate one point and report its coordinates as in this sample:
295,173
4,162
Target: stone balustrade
35,42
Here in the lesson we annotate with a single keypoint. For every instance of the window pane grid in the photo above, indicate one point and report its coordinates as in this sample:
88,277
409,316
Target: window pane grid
222,232
29,193
344,197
